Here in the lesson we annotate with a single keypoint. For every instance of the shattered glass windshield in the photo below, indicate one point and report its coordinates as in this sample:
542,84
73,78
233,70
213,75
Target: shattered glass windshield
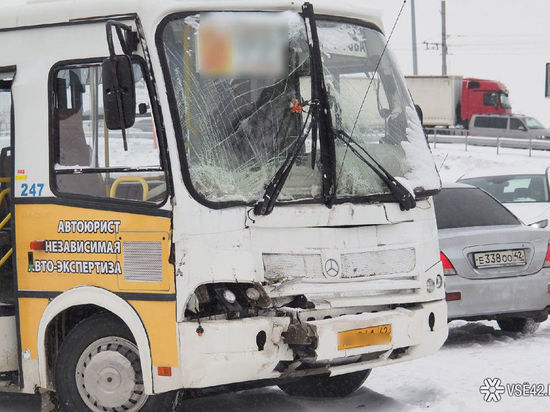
239,122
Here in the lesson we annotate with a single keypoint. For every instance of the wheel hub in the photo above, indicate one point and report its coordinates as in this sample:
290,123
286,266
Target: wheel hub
108,376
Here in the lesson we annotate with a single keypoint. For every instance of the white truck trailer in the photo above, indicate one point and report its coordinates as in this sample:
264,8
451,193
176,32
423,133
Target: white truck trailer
438,97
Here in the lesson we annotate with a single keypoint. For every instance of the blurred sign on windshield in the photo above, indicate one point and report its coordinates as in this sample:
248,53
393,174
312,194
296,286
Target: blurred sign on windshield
242,45
343,40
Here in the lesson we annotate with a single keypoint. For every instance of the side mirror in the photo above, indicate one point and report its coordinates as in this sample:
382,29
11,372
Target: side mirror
119,92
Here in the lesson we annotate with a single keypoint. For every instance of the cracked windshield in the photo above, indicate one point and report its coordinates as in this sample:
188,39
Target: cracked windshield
242,86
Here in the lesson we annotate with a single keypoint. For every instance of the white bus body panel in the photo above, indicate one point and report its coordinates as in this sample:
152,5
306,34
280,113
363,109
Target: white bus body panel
8,344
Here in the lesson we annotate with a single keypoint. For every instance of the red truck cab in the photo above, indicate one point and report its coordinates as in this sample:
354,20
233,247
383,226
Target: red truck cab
482,96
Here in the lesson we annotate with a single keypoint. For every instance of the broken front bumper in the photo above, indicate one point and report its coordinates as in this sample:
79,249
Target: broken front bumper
252,349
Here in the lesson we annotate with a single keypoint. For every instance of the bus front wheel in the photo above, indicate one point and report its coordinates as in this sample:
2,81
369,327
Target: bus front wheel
98,369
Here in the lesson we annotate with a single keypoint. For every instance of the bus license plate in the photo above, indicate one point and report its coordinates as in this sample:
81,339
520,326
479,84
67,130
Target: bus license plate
375,335
514,257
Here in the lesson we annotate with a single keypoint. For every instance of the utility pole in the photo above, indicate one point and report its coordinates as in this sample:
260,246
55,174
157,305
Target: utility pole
413,28
443,40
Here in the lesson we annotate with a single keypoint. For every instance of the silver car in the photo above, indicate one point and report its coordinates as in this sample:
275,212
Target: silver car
495,267
516,126
527,195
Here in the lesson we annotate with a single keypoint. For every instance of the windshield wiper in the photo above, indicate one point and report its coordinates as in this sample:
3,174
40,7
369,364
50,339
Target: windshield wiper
399,192
322,117
321,122
265,204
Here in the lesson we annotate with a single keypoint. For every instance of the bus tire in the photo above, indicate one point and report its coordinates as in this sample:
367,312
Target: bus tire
324,386
98,368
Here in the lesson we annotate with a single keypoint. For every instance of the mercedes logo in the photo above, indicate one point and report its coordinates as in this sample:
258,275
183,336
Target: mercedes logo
332,268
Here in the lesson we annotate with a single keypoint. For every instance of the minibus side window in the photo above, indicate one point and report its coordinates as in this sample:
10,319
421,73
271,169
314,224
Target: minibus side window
90,160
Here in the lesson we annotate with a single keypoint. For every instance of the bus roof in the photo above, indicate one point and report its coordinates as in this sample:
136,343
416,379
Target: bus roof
17,14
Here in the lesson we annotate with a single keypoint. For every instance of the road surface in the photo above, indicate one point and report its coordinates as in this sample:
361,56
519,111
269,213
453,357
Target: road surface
449,380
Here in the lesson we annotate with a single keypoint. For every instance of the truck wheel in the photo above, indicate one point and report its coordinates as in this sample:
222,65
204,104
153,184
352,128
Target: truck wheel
523,325
98,369
324,386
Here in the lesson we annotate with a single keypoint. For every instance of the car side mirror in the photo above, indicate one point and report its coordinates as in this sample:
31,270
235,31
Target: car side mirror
119,92
119,86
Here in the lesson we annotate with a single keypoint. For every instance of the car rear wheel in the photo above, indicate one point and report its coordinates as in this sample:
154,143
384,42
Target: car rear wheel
98,369
324,386
523,325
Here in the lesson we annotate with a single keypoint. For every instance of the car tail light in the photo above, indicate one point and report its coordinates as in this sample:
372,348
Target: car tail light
448,268
450,296
547,258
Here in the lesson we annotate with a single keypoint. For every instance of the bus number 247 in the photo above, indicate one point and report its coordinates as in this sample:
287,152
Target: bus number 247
32,190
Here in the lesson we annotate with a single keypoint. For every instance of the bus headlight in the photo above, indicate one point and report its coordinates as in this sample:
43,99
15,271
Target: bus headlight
229,296
253,294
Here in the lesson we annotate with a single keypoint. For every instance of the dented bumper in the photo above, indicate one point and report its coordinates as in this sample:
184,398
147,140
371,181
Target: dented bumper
265,347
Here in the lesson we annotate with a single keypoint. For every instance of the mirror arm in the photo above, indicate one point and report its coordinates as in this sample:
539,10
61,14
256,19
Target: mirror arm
118,27
119,105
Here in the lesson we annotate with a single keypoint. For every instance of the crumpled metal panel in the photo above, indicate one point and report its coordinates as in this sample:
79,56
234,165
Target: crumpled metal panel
378,262
375,263
284,266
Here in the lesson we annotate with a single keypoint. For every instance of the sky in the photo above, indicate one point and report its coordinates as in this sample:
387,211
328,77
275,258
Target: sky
505,40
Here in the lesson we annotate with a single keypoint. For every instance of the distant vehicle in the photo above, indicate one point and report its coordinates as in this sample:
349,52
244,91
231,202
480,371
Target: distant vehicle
508,125
495,267
526,195
452,100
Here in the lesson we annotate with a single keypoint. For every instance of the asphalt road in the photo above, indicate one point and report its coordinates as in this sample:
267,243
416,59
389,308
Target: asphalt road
15,402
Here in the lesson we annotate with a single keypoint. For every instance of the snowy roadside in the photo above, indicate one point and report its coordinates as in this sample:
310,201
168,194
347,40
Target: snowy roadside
453,161
450,380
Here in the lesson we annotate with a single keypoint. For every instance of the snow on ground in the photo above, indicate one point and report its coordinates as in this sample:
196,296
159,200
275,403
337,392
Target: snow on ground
450,380
453,161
